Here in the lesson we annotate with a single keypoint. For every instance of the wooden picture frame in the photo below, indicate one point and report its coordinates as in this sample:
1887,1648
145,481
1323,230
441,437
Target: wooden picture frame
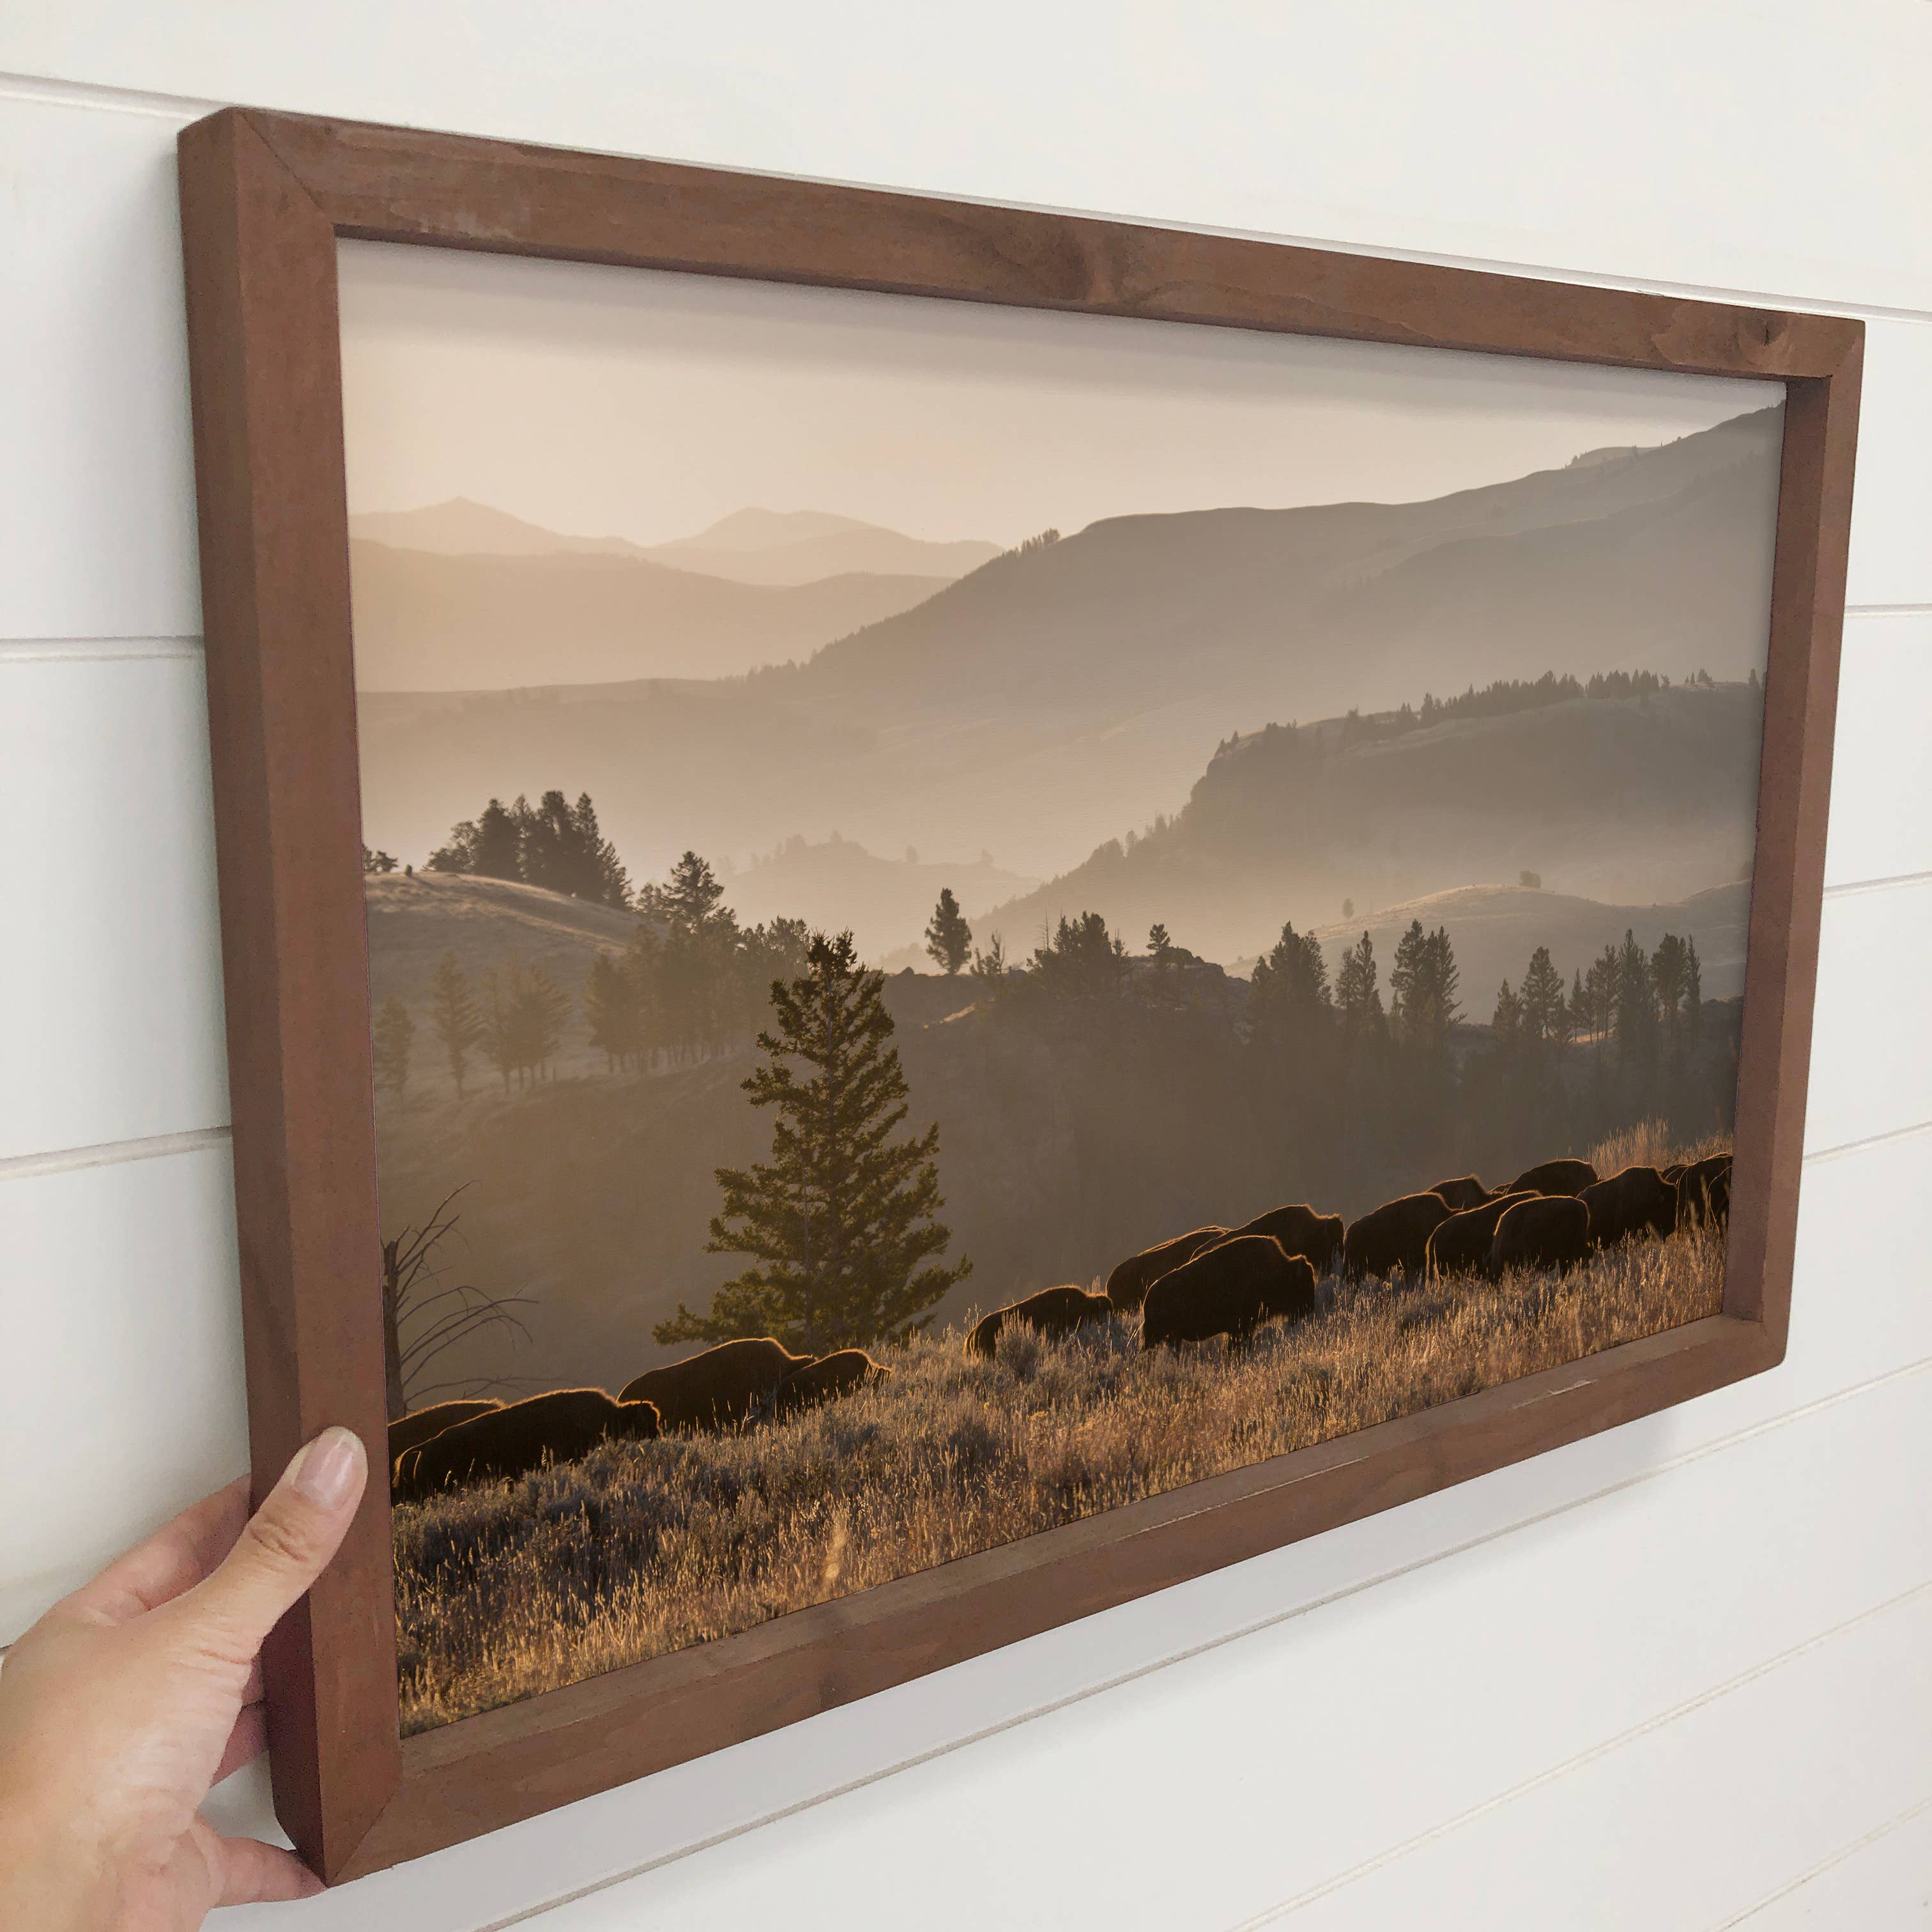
264,198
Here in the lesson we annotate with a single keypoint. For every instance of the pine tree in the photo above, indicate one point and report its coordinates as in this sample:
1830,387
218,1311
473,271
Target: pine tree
1288,992
1693,994
1422,988
392,1035
1635,1018
949,939
1669,973
1506,1023
839,1222
497,850
1080,960
610,1010
453,1015
989,967
1357,997
1542,998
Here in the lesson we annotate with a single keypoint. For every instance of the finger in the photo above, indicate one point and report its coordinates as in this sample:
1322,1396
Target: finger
246,1742
174,1559
286,1544
250,1873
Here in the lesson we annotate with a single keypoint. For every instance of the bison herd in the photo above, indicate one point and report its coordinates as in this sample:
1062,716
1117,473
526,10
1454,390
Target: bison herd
1210,1281
724,1387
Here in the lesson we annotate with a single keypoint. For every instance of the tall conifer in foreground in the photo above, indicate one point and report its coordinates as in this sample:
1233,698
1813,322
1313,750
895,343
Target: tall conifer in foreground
839,1222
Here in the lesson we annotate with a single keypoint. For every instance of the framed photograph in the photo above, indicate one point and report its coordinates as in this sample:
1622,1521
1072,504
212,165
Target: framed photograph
935,914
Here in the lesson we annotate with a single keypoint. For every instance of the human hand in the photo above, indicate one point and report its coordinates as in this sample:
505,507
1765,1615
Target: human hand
129,1699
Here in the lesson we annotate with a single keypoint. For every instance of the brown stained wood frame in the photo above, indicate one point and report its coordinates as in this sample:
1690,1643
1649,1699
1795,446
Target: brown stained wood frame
265,197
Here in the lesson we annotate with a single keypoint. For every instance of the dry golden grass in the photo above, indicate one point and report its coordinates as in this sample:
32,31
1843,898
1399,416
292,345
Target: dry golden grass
509,1589
1648,1143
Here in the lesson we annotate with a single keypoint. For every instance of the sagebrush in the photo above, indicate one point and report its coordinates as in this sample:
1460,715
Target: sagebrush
507,1589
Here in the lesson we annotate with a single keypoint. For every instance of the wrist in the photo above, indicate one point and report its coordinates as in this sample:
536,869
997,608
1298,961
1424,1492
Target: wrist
50,1879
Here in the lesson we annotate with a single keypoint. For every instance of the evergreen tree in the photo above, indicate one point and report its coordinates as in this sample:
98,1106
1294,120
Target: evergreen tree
690,900
989,967
1542,999
1693,994
1081,960
610,1010
1634,1020
1669,973
839,1222
1357,998
393,1034
1422,989
949,939
376,861
1507,1022
496,852
1288,992
453,1016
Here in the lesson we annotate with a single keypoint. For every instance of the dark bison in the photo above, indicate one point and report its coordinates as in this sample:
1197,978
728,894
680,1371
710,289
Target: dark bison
411,1431
1674,1173
1053,1311
1299,1230
842,1372
1394,1236
562,1426
1462,1194
1229,1290
1548,1231
718,1389
1461,1244
1637,1201
1704,1190
1554,1177
1128,1284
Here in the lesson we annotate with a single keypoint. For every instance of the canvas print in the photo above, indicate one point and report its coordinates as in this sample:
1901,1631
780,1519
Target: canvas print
975,915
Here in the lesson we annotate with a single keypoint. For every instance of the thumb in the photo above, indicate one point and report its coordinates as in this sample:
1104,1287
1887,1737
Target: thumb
287,1543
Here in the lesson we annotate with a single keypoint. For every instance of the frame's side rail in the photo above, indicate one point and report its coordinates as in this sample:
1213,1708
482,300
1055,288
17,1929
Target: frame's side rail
266,372
388,183
1807,613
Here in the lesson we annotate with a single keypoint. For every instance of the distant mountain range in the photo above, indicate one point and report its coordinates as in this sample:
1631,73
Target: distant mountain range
458,595
1053,697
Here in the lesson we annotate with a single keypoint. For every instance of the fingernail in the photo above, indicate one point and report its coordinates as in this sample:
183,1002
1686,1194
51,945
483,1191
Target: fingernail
329,1468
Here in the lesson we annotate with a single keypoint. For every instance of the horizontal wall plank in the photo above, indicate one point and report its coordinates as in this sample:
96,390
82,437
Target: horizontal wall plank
1212,1793
97,493
1736,1796
1883,1883
1890,557
1857,1314
1275,121
1881,780
121,1395
1871,1050
112,980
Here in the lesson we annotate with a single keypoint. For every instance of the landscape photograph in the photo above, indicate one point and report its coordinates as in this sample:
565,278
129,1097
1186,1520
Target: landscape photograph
975,915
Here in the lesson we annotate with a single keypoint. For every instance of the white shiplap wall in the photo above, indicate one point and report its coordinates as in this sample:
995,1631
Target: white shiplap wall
1678,1676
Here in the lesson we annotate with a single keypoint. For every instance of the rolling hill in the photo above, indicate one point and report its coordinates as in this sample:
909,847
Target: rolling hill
1621,802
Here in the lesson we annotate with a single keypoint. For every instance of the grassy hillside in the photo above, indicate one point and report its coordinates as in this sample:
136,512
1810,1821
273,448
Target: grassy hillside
485,922
505,1590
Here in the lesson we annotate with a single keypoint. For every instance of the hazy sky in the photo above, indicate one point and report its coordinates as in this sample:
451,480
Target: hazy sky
617,402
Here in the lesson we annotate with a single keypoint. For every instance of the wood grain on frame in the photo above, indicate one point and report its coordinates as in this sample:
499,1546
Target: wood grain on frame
265,198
